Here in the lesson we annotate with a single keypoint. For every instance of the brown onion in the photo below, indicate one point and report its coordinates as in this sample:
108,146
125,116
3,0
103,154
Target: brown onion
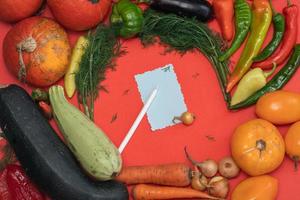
218,187
228,168
199,182
209,168
186,118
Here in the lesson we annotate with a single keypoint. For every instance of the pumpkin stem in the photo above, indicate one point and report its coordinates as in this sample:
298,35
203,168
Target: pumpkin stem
28,45
261,146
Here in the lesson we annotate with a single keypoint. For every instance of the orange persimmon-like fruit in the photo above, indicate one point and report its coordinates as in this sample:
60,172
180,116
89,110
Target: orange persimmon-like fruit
259,188
292,143
37,51
279,107
257,147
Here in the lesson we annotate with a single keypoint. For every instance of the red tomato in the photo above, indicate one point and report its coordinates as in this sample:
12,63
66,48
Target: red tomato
16,10
79,15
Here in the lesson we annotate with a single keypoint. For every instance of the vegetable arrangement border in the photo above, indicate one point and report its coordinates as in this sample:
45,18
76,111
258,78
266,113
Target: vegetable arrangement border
185,34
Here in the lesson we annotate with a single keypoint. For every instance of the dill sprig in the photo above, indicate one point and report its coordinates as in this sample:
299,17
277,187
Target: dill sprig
99,56
185,34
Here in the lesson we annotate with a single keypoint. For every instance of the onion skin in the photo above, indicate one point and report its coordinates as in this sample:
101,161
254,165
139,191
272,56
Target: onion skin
228,168
209,168
218,187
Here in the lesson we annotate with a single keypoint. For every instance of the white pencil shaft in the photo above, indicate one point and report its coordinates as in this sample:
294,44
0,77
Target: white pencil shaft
137,121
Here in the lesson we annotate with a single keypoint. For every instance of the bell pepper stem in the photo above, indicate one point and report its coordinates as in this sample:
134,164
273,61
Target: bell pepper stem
269,73
289,3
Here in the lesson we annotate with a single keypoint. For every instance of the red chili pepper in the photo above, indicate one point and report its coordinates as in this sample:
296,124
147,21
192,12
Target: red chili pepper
289,39
224,12
46,109
4,193
19,185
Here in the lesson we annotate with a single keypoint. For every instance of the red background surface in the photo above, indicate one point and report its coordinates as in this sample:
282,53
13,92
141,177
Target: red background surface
210,135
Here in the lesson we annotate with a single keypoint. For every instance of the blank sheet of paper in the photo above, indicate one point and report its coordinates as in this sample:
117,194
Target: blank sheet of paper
169,101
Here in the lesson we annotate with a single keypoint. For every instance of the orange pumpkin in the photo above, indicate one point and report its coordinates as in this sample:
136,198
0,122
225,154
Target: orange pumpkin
292,143
37,51
280,107
257,147
256,188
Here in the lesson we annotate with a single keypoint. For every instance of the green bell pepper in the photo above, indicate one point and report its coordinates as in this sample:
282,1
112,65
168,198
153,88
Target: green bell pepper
129,18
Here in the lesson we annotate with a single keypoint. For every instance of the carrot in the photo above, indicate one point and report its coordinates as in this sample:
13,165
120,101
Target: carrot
174,174
144,192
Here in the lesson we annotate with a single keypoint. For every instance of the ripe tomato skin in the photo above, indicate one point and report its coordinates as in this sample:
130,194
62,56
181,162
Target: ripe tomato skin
292,142
280,107
257,147
256,188
16,10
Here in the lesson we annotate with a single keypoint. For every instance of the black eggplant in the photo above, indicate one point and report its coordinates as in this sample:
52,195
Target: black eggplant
45,158
201,9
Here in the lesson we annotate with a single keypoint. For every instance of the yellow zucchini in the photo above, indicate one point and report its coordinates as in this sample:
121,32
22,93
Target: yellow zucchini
95,152
77,54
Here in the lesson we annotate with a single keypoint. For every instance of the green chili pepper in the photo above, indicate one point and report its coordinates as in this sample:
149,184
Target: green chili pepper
129,18
253,81
262,18
279,28
242,26
277,82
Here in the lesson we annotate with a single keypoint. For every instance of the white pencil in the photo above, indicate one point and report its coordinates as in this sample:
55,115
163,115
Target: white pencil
138,120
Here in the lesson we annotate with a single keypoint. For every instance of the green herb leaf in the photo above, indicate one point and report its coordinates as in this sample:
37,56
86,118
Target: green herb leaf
185,34
99,56
114,118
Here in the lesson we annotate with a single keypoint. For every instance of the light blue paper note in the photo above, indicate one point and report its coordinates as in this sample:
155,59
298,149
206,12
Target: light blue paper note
169,101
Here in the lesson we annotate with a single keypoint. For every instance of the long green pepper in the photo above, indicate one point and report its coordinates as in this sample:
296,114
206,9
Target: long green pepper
279,28
243,17
277,82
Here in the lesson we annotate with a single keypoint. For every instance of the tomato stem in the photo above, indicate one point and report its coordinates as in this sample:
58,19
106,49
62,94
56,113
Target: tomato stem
261,146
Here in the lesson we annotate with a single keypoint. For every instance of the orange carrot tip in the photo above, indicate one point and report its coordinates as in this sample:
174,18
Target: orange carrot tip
153,192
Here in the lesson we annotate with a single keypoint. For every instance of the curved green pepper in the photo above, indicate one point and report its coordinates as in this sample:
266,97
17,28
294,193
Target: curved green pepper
261,21
129,18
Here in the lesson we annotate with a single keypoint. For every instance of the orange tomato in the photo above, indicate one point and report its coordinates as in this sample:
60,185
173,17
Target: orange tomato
256,188
257,147
292,143
280,107
37,51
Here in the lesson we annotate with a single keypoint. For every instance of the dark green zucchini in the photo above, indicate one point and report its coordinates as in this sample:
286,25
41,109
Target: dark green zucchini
44,156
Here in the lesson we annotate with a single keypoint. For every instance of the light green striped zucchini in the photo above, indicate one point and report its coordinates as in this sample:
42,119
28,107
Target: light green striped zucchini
95,152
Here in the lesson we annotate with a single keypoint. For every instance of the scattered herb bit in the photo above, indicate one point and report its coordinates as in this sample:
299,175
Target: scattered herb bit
166,69
210,138
114,118
196,75
126,92
184,34
103,48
